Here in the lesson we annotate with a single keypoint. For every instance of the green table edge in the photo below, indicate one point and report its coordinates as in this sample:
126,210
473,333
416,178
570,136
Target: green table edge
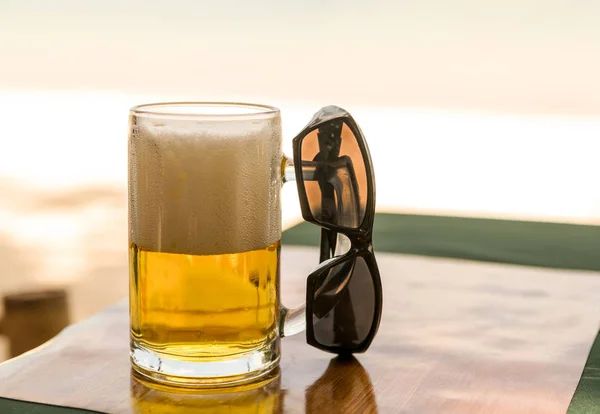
10,406
586,399
528,243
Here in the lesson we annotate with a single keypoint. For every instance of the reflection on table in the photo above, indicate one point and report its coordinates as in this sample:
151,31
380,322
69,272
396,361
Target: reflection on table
264,396
344,387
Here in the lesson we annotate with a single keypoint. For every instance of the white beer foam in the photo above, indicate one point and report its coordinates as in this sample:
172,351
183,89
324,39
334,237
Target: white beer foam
205,189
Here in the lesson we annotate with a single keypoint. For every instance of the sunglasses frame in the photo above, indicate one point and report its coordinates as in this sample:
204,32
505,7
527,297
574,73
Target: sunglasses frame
360,237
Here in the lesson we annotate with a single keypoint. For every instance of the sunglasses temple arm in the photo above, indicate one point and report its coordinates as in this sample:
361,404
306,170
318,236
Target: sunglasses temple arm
328,244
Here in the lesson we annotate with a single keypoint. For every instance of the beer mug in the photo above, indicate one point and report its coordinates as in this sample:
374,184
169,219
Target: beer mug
204,246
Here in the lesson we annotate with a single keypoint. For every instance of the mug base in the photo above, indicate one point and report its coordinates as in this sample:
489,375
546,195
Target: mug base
238,370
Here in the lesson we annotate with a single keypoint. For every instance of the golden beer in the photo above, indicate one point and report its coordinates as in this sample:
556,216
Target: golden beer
204,232
204,306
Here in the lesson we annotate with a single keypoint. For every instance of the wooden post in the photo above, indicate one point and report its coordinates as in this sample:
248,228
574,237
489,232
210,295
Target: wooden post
32,318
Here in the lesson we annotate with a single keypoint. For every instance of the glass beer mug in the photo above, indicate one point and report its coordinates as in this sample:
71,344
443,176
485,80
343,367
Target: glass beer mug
204,245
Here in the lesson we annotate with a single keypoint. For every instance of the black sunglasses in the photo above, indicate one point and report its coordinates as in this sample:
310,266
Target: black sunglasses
336,186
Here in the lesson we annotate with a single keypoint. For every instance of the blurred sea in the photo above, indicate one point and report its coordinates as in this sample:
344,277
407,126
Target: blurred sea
63,172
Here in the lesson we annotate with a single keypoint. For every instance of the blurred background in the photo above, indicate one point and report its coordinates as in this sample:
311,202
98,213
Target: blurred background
473,108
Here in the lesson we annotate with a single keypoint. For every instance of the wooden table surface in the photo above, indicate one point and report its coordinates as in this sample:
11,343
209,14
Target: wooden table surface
455,337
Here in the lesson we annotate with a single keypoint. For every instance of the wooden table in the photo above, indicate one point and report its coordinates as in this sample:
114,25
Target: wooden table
456,337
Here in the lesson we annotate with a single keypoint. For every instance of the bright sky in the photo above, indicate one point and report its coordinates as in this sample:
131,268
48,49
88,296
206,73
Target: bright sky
508,55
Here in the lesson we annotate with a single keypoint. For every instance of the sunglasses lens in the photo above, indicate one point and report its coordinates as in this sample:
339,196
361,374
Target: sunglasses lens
334,175
343,306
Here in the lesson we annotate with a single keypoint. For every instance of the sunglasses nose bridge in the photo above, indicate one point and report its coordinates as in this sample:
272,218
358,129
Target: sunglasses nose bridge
361,240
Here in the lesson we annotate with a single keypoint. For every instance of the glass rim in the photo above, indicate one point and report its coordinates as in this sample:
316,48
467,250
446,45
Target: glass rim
205,110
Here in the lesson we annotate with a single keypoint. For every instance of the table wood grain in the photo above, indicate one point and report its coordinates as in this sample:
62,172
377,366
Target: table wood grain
455,337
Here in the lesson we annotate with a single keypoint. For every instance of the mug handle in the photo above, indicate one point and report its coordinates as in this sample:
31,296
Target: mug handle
291,321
